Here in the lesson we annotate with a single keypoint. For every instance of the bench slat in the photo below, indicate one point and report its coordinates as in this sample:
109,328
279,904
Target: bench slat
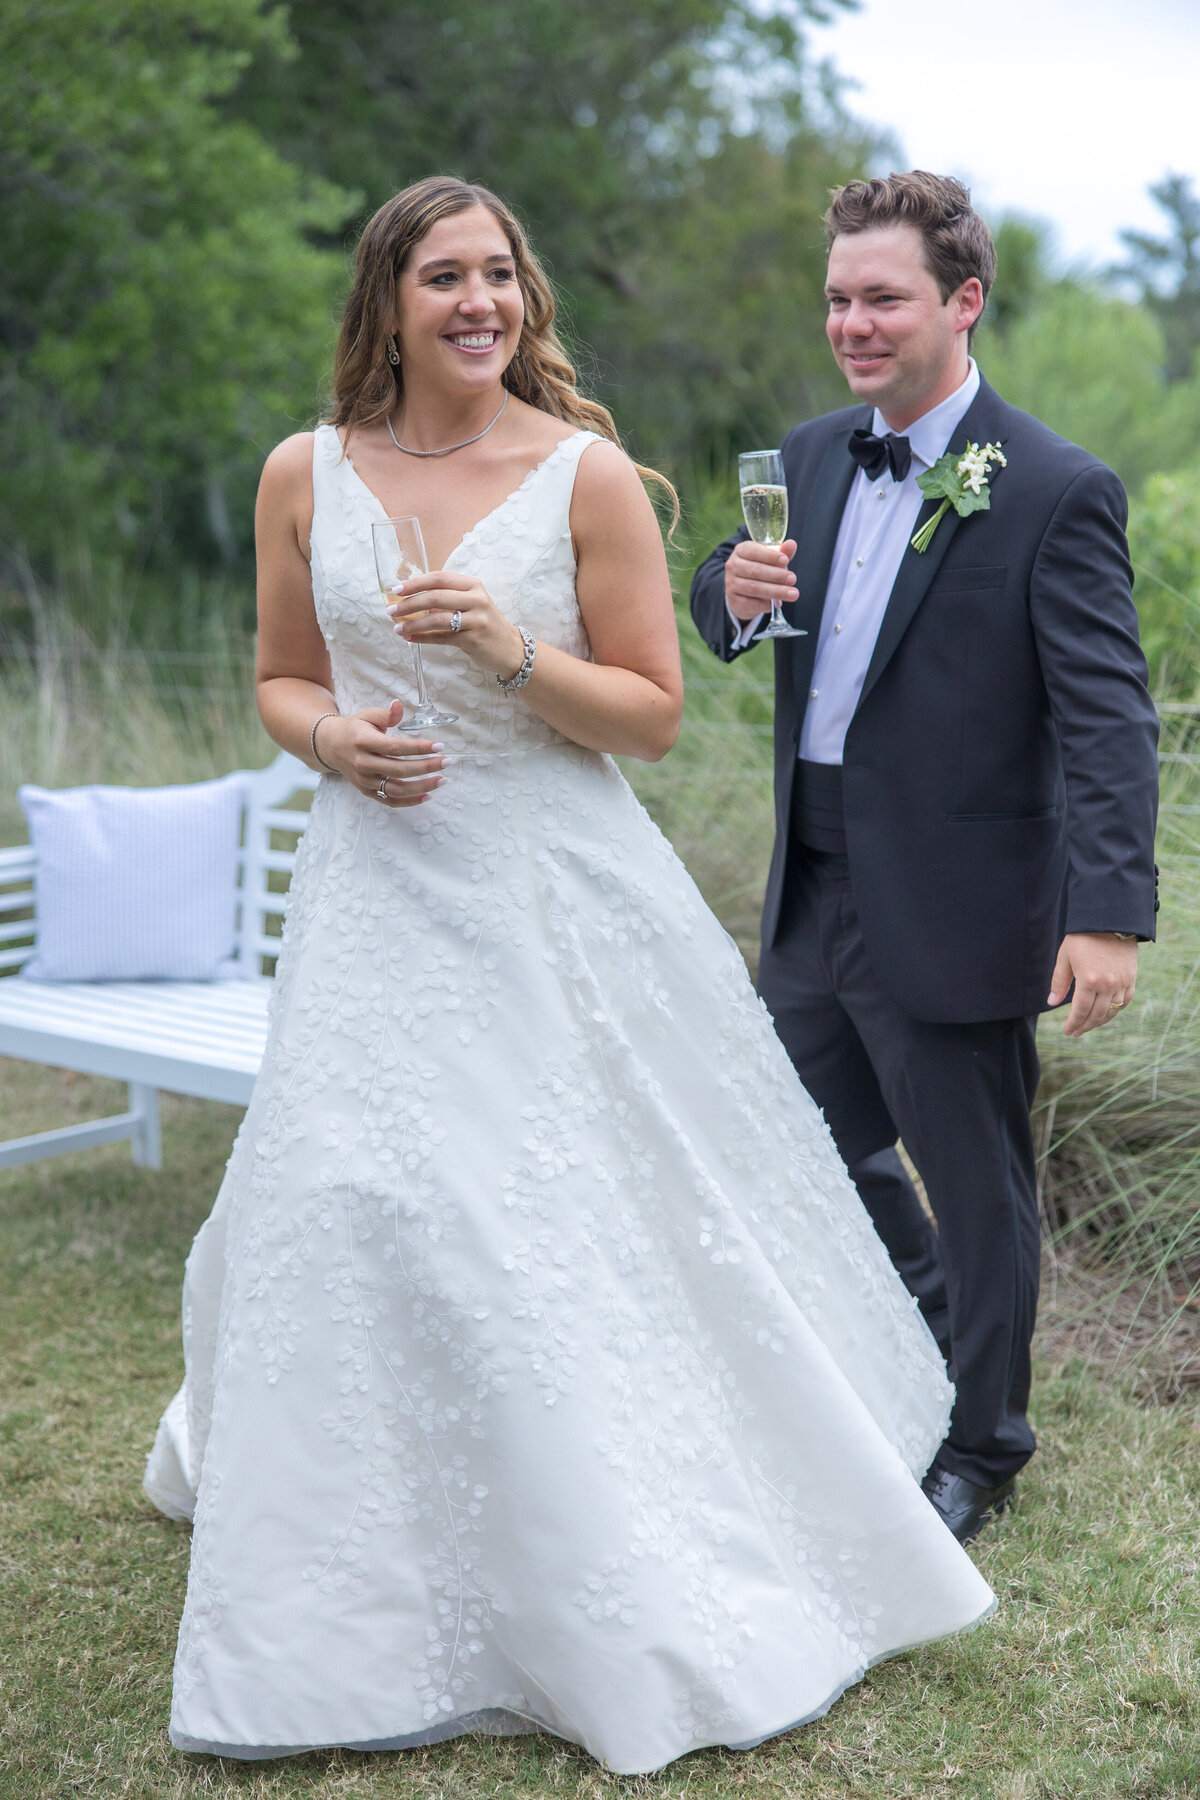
277,819
231,1080
17,862
203,1039
266,902
266,946
123,1005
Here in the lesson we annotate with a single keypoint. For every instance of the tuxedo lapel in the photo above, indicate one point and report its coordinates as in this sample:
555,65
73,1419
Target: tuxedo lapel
814,550
984,422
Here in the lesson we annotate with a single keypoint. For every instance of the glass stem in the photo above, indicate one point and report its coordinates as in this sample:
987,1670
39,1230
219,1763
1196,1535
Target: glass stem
422,696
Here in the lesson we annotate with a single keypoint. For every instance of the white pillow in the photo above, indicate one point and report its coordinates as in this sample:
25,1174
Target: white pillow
135,884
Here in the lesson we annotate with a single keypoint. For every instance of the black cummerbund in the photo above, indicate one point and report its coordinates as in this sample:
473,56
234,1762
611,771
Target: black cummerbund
818,817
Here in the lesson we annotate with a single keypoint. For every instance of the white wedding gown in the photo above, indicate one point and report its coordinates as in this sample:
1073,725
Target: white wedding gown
543,1368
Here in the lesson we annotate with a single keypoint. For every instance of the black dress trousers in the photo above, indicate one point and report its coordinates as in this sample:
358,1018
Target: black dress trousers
958,1096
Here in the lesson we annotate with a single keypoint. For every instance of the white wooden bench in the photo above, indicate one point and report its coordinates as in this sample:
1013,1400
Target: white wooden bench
203,1038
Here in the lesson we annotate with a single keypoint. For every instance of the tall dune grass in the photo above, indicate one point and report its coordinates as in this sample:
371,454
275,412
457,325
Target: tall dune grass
1118,1115
1119,1112
76,712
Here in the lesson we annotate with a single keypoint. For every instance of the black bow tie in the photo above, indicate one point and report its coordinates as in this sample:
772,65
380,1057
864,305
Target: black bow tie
875,454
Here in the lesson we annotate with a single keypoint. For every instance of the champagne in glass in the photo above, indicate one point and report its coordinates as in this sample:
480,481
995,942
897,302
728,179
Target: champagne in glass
400,553
765,509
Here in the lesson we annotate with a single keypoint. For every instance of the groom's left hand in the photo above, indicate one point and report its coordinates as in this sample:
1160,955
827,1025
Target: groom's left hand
1104,970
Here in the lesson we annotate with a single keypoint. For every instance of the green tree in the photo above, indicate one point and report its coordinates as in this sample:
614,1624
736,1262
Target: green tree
1166,272
1091,367
723,346
163,314
670,158
1164,541
1024,272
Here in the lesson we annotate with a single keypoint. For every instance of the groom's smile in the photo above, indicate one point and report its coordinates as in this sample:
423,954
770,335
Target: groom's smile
898,341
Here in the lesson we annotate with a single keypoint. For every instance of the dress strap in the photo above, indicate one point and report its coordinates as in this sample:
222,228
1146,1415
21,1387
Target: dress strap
559,470
334,482
327,456
572,448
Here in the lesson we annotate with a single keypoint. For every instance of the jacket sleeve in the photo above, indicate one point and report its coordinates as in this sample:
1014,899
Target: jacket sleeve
1085,623
709,610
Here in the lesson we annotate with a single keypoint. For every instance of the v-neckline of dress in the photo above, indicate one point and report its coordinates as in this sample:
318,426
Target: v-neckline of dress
475,529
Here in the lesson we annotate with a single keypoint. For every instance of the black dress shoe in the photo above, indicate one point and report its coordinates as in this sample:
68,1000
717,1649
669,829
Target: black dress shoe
962,1505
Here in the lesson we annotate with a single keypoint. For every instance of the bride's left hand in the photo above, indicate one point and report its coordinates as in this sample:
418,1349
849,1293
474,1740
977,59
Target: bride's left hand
426,604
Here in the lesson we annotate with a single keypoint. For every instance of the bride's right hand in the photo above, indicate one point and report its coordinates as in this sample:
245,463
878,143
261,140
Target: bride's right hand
358,746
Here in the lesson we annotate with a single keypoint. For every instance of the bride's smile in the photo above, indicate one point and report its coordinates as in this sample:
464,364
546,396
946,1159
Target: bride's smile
459,311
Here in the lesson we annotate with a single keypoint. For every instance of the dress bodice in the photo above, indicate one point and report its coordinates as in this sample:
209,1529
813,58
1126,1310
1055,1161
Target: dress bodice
521,552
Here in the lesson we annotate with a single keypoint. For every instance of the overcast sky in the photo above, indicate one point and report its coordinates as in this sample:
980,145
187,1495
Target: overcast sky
1066,109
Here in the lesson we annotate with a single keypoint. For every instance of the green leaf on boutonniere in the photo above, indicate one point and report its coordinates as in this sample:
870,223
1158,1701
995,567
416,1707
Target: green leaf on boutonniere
962,483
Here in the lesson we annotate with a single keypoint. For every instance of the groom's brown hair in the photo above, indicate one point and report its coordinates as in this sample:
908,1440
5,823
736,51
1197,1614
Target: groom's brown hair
958,245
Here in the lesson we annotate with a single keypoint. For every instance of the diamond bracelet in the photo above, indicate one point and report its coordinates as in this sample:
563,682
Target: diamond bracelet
312,740
514,684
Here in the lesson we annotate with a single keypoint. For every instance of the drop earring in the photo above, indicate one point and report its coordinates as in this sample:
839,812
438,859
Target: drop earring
393,353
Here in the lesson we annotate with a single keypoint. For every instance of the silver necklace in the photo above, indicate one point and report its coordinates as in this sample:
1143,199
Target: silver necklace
449,447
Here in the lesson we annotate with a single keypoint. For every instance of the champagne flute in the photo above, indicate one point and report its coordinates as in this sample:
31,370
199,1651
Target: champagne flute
400,553
765,509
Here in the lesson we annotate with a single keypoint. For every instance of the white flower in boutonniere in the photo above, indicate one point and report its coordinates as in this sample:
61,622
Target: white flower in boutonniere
962,481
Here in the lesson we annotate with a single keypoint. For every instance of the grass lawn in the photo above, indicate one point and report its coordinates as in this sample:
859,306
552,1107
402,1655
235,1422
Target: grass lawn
1086,1682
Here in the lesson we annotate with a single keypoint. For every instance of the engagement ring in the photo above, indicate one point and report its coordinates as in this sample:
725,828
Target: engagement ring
381,790
455,621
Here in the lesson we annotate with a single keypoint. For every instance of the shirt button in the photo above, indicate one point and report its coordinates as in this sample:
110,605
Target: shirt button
812,693
879,494
859,561
837,628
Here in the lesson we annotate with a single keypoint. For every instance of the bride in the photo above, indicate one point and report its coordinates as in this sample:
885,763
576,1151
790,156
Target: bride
543,1369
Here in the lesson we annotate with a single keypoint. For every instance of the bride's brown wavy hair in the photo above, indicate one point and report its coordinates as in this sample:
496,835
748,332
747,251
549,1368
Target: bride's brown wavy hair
366,385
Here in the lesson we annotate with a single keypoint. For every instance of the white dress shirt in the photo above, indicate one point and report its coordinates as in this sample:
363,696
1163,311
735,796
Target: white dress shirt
880,517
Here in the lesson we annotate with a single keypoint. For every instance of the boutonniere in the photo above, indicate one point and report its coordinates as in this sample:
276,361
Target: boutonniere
962,482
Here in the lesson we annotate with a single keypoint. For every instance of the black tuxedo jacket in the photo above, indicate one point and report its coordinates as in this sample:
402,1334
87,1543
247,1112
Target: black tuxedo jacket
1000,771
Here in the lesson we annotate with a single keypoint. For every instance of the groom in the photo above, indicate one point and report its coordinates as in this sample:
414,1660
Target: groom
965,782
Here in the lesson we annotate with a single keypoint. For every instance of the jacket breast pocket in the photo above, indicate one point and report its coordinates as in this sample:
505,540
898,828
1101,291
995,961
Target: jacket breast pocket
968,581
1003,818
